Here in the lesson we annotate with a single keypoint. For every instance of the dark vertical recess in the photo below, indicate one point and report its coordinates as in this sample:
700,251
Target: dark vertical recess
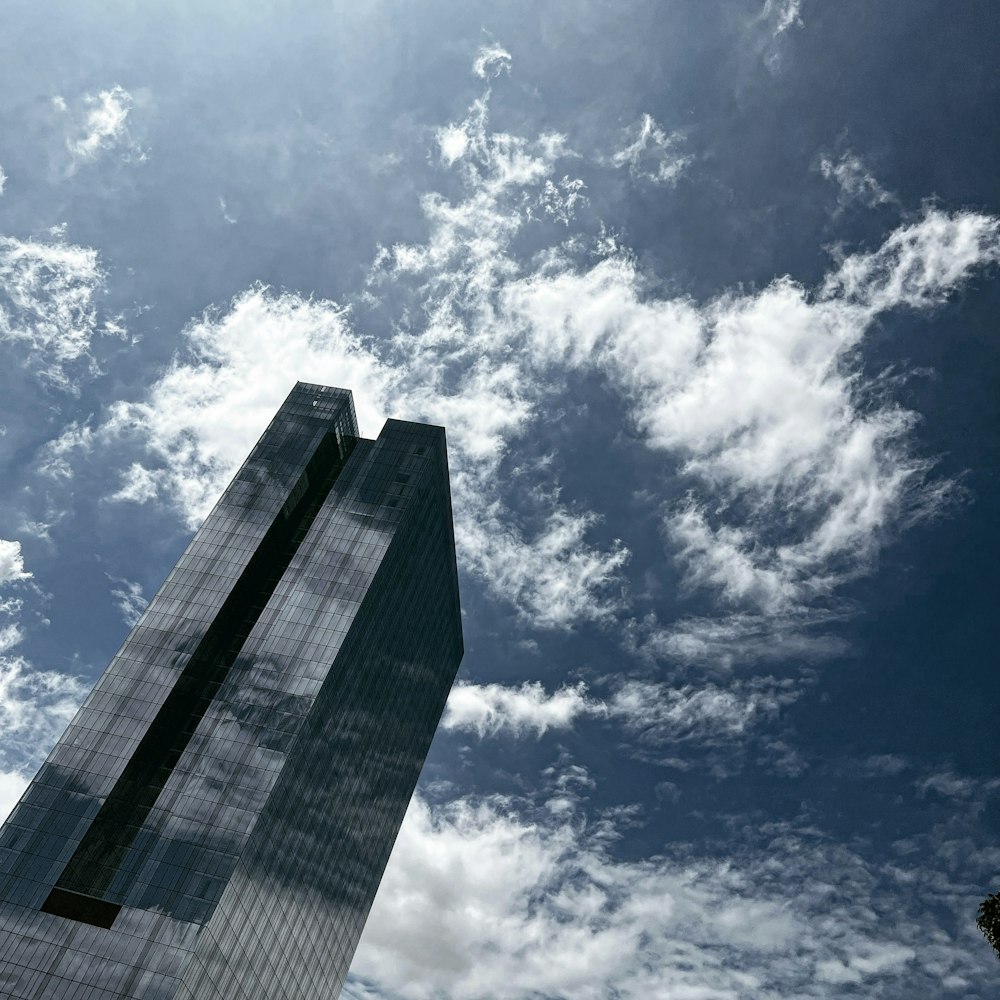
79,892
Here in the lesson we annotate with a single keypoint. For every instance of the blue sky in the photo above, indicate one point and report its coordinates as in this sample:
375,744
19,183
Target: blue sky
706,296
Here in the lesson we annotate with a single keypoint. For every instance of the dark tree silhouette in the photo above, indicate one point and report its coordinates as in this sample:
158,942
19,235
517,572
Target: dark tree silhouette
988,920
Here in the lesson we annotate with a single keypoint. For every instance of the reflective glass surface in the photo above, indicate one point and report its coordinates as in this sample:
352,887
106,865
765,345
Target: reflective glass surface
216,819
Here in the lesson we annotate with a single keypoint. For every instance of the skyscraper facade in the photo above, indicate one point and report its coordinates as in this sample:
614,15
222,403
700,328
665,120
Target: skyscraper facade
217,817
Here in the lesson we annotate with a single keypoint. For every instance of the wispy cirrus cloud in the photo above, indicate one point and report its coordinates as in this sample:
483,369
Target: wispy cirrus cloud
708,713
491,61
49,315
782,15
919,265
652,154
98,124
129,599
856,182
728,640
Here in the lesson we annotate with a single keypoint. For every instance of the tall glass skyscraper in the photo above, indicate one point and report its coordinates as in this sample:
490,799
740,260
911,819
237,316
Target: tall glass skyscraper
215,821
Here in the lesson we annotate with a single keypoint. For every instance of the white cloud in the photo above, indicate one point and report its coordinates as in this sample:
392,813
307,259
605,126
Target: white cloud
919,265
35,707
655,714
453,142
139,484
782,14
57,457
11,571
48,307
22,690
728,639
99,124
11,562
709,713
355,989
495,893
948,784
876,959
652,154
724,559
856,181
203,416
798,469
12,786
481,901
559,200
885,764
10,636
491,61
228,217
493,709
554,576
3,180
129,600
